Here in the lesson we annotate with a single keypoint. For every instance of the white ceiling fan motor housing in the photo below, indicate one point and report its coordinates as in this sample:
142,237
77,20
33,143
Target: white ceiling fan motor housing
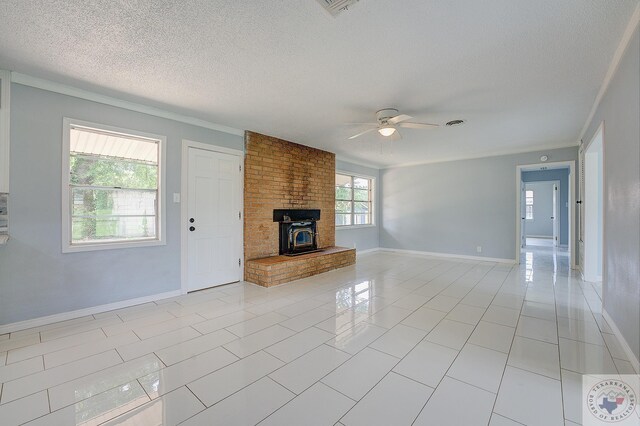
385,114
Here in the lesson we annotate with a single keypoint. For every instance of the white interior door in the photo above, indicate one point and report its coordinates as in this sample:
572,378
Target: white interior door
555,218
214,219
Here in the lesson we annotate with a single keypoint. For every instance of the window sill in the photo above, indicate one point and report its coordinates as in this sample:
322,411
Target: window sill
345,227
111,246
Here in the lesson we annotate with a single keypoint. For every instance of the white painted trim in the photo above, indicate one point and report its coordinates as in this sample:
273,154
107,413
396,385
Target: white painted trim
600,131
64,316
572,205
450,255
623,342
65,206
5,133
487,154
184,204
357,162
368,251
613,67
39,83
348,227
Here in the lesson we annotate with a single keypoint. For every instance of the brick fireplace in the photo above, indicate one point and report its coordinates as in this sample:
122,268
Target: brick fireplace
282,175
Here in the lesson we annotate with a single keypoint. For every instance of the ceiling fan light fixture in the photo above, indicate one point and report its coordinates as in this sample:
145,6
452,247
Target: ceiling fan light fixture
387,130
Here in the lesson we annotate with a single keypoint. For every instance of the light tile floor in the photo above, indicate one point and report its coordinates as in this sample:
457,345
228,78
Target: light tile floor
394,340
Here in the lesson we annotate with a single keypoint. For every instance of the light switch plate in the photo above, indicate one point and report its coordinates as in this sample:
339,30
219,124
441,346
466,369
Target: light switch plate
176,197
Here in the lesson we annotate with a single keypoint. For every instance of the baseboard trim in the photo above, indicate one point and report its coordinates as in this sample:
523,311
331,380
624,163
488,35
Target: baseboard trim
635,363
64,316
372,250
450,255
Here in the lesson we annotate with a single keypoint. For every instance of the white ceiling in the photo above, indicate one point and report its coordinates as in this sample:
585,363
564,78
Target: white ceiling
522,73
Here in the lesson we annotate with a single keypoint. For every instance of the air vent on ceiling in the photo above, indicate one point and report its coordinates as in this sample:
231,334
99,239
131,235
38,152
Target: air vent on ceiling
334,7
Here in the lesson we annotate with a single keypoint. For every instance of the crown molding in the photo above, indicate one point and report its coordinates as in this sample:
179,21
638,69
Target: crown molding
357,162
51,86
488,154
613,67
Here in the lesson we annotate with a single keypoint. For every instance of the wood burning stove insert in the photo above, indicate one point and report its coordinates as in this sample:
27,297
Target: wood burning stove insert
298,234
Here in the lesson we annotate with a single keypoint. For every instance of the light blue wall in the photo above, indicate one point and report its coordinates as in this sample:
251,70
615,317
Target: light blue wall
563,176
452,207
362,238
36,279
620,111
541,225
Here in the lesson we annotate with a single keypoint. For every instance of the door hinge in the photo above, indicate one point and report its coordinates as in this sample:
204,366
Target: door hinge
240,167
239,215
239,262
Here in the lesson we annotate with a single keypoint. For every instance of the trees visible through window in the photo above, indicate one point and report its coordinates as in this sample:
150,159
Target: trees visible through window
354,200
113,187
529,204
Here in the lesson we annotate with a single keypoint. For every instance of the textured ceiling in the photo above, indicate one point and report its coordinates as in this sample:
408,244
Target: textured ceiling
522,73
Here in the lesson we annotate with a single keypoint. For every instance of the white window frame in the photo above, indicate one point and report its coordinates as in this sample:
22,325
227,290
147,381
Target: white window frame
372,191
67,246
527,206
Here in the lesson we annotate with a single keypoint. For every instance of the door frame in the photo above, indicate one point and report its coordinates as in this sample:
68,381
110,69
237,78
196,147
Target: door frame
556,213
184,204
572,208
600,132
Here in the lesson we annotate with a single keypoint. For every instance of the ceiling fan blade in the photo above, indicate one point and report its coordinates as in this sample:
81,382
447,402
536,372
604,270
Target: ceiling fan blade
399,118
396,136
362,124
361,133
410,125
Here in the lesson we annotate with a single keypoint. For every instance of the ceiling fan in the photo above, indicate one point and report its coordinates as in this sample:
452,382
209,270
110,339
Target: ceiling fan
388,122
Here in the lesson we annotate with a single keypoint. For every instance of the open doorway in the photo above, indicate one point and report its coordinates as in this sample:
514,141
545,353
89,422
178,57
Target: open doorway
592,238
541,223
545,210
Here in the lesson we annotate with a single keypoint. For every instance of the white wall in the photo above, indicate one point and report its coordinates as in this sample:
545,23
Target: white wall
620,109
36,278
455,206
361,238
541,225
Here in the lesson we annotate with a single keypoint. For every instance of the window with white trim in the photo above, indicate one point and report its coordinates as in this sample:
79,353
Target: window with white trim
529,204
112,187
354,200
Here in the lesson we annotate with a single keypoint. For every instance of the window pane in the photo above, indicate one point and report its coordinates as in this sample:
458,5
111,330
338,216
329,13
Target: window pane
101,229
97,171
361,194
529,212
343,219
343,193
106,144
112,202
343,207
529,194
529,201
361,219
361,207
343,180
360,183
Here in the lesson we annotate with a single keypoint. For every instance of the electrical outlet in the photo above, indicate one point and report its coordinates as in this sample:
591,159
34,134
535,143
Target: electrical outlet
479,249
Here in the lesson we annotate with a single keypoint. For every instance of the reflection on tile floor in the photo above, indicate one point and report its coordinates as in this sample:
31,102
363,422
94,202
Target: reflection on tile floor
396,339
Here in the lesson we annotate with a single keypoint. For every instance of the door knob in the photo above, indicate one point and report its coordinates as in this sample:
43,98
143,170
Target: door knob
192,228
192,220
